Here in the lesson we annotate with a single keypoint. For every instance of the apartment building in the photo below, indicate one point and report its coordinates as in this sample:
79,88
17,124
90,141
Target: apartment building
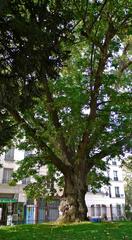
107,203
12,198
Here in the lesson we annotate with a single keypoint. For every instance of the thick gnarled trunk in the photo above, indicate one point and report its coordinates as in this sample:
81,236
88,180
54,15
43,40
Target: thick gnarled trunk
72,206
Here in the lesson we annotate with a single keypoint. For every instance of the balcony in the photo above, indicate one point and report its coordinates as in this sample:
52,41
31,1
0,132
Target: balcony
5,180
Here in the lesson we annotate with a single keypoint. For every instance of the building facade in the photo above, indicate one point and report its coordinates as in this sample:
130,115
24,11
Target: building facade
108,203
12,198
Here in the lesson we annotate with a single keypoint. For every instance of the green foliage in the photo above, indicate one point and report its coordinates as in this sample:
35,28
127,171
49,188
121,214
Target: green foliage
128,214
40,188
128,164
8,129
96,180
128,183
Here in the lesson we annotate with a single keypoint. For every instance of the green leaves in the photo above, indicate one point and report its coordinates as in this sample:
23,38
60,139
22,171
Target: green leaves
96,179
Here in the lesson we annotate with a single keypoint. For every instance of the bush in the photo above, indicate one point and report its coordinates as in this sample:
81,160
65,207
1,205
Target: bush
128,214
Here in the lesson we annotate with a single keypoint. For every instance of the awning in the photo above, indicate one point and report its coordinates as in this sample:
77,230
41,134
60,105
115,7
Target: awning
7,200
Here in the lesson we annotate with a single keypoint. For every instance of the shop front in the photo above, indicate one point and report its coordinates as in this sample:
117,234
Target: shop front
6,208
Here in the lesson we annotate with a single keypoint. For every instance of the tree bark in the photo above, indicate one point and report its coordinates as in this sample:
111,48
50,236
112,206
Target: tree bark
72,206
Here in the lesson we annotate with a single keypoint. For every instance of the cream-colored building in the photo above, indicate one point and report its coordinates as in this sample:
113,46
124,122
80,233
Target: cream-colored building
9,164
10,196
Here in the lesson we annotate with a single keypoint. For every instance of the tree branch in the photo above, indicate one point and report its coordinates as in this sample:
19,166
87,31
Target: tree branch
100,12
107,151
124,66
126,62
95,20
41,143
81,152
54,116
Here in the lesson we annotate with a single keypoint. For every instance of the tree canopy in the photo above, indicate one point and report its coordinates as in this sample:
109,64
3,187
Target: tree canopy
65,84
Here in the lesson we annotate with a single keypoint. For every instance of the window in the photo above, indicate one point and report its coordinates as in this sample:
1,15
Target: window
92,210
117,192
115,174
104,211
26,181
7,173
98,210
110,192
114,162
9,156
89,188
27,153
54,204
118,208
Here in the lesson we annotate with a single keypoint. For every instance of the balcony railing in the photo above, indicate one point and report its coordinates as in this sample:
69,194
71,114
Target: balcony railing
5,180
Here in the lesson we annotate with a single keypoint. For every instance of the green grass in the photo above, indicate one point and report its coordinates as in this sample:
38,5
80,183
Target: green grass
80,231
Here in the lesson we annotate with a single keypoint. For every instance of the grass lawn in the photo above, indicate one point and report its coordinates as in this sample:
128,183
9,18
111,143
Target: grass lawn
80,231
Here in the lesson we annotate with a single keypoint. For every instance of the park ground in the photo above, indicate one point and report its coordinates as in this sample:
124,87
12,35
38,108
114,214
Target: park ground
77,231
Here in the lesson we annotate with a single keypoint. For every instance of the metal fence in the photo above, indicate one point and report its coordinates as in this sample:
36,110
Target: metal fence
103,212
49,212
29,214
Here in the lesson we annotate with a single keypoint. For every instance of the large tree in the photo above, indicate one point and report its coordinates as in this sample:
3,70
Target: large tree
65,86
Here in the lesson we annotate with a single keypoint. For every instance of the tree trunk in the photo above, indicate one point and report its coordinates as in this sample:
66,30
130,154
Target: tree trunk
72,206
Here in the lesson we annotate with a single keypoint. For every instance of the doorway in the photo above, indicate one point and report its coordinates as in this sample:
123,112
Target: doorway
3,213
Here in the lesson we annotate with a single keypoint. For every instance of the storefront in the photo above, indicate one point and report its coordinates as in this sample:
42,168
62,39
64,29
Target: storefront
6,209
